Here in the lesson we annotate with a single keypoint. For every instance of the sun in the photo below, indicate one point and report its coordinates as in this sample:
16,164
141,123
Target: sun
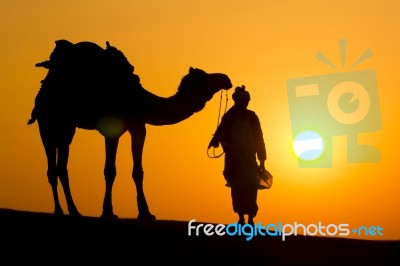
308,145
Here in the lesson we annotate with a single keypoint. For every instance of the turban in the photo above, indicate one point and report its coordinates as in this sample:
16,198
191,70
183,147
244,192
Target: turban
241,94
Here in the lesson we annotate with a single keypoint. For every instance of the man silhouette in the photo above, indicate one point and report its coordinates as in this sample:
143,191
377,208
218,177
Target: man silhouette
242,140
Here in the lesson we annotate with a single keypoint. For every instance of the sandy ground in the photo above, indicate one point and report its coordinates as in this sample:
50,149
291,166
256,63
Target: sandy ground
43,238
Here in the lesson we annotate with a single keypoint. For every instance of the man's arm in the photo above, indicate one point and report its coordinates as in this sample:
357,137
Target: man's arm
259,141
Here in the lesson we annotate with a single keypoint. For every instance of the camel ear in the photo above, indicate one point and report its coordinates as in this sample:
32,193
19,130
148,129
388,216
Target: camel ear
191,70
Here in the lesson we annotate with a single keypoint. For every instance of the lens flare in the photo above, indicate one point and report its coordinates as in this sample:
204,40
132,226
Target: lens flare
110,127
308,145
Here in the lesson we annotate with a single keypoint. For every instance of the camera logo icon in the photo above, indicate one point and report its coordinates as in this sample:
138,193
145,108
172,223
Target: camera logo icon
338,104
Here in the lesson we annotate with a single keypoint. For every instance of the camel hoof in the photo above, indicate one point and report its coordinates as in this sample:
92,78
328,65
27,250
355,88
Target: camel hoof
58,211
147,216
109,215
75,214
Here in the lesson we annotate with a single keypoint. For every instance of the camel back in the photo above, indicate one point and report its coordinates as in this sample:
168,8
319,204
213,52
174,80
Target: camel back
86,80
82,57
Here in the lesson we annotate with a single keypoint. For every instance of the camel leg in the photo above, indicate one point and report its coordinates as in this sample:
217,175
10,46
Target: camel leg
62,171
138,135
51,153
110,171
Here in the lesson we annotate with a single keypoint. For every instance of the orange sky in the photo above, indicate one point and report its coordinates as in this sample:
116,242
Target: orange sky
260,44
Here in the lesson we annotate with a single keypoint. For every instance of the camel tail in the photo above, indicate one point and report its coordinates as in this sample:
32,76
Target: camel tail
33,117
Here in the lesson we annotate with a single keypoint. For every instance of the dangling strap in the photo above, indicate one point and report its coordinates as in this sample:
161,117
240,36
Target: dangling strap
218,121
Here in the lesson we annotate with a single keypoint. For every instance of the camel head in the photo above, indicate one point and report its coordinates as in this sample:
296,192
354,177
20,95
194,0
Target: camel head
198,87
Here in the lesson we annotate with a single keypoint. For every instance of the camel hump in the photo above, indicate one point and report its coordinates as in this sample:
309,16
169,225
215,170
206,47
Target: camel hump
86,55
59,54
84,78
116,59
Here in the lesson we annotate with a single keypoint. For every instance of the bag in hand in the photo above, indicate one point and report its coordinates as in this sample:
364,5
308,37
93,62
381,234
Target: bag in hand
265,179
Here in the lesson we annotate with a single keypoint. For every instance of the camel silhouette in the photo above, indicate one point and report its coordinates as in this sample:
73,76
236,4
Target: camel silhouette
93,88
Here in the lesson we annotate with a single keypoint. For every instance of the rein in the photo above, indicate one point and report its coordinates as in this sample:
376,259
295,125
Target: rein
213,156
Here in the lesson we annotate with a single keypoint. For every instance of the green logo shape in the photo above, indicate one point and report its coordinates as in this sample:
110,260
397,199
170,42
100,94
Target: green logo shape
337,104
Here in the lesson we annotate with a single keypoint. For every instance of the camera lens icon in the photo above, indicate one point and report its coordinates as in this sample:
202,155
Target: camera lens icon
325,106
348,102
